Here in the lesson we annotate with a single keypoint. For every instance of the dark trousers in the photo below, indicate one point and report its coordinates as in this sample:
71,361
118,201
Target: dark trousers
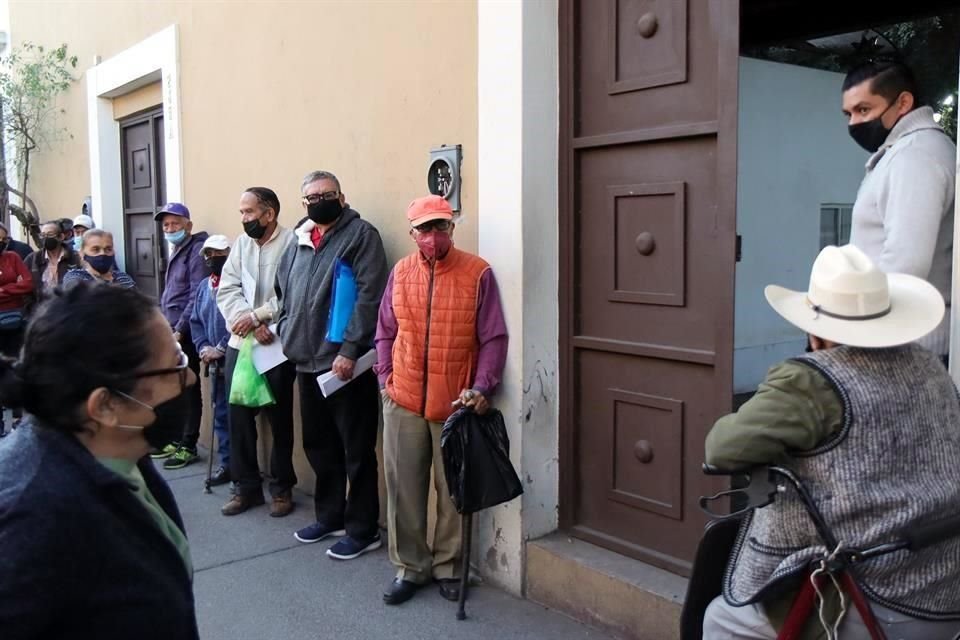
340,440
244,467
191,430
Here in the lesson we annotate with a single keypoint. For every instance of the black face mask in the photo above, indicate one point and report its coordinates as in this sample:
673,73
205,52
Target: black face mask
325,211
254,229
168,426
101,264
51,243
215,263
3,245
871,134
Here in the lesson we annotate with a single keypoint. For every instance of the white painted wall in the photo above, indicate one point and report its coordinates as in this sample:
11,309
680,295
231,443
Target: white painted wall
794,154
518,172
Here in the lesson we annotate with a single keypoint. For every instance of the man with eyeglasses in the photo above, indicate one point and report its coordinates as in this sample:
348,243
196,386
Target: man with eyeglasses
52,260
441,343
248,301
339,431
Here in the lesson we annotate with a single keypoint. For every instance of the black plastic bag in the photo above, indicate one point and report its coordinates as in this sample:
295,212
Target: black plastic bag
476,461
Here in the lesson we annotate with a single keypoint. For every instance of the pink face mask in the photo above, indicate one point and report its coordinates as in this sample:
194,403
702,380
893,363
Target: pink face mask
434,245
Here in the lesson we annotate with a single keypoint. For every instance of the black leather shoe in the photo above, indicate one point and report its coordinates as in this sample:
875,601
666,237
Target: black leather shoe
450,588
220,476
400,591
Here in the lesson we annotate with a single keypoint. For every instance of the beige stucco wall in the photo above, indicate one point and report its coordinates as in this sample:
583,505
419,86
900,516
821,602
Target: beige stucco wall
138,100
270,91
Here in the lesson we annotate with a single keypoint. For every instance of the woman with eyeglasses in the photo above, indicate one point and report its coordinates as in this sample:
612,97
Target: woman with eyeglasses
91,540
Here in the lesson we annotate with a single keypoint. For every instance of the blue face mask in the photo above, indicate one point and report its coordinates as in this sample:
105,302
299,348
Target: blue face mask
177,237
77,243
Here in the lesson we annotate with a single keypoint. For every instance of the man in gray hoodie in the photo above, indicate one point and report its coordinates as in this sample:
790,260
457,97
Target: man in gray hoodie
903,215
339,431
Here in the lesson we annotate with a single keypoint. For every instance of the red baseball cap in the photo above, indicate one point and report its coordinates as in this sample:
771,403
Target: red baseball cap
428,208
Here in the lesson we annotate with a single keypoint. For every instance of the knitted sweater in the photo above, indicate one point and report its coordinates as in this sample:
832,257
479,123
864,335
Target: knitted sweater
893,463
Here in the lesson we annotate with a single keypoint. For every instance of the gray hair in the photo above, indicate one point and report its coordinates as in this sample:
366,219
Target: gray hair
315,176
90,234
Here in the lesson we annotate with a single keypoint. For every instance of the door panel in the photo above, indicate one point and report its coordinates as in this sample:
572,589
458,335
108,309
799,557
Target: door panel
628,82
142,148
648,88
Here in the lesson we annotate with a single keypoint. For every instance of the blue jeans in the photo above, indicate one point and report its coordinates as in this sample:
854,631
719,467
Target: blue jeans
221,415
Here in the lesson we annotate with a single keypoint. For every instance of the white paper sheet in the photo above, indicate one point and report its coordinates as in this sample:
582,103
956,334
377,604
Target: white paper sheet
267,356
330,383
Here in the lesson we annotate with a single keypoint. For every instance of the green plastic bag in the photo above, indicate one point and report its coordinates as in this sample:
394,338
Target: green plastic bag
249,388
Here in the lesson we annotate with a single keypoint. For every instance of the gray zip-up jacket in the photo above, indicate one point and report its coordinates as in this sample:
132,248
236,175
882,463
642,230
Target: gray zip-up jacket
903,216
304,282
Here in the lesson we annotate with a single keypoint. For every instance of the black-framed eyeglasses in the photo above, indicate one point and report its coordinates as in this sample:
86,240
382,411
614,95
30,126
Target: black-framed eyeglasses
314,198
182,366
433,225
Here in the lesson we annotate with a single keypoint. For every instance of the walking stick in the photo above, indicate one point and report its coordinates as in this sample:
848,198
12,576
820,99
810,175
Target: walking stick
467,539
213,393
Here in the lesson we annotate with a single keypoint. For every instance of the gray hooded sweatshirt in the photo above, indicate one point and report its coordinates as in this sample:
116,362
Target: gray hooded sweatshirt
304,287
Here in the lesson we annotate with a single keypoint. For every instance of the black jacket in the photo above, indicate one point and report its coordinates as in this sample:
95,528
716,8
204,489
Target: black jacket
37,263
80,557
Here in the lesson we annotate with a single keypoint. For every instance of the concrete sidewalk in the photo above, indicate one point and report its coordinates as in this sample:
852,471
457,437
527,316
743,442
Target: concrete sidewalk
253,581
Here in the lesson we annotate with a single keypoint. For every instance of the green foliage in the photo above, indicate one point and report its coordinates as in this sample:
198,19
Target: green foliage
948,114
32,77
929,46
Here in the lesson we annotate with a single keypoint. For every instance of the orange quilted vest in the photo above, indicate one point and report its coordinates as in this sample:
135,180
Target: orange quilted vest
435,352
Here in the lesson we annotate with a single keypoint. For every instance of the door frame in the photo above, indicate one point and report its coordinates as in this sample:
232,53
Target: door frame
155,58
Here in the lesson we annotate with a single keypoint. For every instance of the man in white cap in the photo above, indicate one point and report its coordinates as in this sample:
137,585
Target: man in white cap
208,330
869,421
81,224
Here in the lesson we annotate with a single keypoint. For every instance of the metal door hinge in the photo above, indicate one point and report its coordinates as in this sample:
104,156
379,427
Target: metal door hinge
739,249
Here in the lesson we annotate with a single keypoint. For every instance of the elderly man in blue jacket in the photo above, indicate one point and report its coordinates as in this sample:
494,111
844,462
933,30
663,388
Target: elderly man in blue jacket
209,332
185,273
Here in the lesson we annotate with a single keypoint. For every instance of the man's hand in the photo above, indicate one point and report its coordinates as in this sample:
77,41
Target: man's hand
472,399
244,325
263,334
343,368
208,354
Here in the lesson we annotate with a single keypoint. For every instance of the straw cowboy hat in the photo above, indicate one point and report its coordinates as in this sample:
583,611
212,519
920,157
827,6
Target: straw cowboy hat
852,302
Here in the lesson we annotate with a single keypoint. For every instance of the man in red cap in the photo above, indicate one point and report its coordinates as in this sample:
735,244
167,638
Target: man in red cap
441,343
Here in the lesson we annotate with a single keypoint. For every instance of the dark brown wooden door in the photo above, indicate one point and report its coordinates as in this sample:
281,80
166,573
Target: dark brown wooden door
143,195
648,165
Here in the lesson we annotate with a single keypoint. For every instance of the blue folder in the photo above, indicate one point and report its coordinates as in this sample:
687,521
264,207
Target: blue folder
342,300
